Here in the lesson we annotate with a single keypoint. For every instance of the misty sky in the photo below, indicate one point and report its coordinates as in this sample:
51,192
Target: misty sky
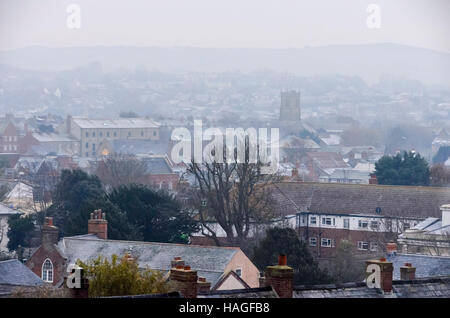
225,23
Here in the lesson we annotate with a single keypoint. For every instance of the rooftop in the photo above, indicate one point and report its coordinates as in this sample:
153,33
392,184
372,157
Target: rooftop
334,198
115,123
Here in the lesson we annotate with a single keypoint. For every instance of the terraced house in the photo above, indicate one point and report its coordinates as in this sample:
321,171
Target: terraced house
369,216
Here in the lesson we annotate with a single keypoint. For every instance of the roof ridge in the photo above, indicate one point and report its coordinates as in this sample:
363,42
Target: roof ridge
79,237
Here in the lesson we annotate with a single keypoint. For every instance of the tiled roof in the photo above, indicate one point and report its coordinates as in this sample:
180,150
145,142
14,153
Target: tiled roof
13,272
426,266
262,292
210,262
333,198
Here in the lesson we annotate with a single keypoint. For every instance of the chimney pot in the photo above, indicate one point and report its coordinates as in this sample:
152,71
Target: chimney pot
187,268
282,260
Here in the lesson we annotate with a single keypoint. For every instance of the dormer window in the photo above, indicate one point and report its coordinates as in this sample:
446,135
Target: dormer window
47,271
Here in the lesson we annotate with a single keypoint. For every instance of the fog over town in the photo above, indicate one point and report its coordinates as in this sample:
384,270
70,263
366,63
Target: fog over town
224,149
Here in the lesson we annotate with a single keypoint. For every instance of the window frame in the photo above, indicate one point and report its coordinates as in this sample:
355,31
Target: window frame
47,271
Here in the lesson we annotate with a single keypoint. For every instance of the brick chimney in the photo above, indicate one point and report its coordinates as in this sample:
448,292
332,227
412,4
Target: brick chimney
98,225
386,270
184,280
49,232
280,277
202,285
294,173
407,272
373,179
177,261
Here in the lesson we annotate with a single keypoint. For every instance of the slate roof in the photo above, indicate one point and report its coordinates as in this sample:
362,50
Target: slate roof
115,123
210,262
347,290
426,266
262,292
327,160
422,288
13,272
138,146
157,165
167,295
333,198
5,210
418,288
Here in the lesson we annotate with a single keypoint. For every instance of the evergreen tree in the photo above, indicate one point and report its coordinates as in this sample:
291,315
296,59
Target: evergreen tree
285,241
157,215
20,231
409,169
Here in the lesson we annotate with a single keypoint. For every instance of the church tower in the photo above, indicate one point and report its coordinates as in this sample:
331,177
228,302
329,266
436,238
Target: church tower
290,106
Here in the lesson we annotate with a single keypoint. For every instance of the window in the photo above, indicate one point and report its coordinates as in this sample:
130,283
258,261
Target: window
374,225
142,134
87,134
346,223
107,134
154,133
93,147
129,134
326,221
373,246
363,224
238,271
364,246
313,220
115,134
47,271
405,226
303,219
87,145
313,241
326,242
100,134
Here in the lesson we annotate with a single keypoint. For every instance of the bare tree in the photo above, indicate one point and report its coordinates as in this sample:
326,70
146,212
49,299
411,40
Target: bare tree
233,195
115,170
440,175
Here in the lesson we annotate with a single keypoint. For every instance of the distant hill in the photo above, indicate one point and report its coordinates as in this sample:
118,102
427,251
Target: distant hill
370,62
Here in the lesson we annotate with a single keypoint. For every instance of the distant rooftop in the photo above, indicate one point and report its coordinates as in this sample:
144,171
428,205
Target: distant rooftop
116,123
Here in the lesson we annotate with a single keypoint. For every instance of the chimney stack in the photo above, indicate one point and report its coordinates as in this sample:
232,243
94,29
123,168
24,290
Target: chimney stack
407,272
177,261
98,225
280,277
373,179
203,286
386,270
294,173
49,232
184,280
